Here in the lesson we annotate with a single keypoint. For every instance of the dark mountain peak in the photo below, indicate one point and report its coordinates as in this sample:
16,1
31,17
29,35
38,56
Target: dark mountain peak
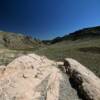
92,32
88,31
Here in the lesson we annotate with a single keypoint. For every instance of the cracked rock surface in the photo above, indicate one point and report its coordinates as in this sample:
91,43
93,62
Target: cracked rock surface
32,77
83,80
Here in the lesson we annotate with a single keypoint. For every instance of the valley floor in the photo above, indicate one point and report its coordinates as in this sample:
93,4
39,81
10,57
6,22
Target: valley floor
86,52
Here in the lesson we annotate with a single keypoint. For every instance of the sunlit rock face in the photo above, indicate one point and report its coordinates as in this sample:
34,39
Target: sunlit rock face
31,77
83,80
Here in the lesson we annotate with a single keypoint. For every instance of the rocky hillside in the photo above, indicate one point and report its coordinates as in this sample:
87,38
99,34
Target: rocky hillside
93,32
33,77
17,41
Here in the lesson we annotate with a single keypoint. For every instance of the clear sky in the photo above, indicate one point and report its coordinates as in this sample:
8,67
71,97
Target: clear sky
46,19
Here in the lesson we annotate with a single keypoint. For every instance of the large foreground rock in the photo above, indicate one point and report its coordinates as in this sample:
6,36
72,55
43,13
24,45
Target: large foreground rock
32,77
81,78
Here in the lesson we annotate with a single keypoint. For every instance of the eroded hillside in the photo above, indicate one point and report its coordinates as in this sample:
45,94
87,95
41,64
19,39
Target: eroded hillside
18,41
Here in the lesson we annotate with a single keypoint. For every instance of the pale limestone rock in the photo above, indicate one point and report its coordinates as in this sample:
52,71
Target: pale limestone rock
31,77
85,81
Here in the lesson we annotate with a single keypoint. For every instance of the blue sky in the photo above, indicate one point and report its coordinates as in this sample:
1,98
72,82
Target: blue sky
46,19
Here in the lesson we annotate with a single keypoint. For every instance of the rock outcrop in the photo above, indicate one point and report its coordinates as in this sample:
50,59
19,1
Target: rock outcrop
32,77
83,80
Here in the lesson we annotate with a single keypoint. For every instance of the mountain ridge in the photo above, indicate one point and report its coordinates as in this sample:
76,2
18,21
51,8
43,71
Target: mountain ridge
90,32
17,41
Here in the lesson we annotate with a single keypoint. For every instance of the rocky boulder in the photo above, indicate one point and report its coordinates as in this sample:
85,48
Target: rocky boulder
83,80
31,77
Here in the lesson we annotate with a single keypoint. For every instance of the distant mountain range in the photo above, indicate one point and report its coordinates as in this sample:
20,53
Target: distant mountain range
17,41
20,41
93,32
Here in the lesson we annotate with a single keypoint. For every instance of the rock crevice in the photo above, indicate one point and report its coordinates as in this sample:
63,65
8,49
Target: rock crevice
32,77
83,80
